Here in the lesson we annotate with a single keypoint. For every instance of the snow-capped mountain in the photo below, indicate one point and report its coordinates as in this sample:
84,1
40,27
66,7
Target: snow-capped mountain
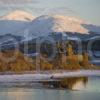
22,27
14,22
59,23
20,23
18,15
44,25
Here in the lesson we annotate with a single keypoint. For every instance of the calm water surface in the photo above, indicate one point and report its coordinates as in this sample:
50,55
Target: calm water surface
91,92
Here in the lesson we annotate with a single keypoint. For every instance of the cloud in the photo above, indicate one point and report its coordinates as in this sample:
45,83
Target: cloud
17,1
64,10
55,10
32,6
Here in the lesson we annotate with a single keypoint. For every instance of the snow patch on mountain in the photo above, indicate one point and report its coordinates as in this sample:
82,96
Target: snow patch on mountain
18,15
14,22
56,23
20,23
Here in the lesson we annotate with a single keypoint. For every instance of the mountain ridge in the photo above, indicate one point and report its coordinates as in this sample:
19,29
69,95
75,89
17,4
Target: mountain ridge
43,25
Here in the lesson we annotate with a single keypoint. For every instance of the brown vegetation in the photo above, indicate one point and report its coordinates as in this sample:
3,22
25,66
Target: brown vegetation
65,61
15,62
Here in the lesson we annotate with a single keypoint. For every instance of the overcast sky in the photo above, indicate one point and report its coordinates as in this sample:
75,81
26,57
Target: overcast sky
87,9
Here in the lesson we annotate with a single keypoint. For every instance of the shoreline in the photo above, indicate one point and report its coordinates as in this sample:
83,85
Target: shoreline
47,76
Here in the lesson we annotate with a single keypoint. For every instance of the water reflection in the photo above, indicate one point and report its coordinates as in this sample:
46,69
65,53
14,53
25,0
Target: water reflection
17,94
73,83
91,92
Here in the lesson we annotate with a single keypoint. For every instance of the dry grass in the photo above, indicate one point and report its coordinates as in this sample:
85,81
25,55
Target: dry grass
18,62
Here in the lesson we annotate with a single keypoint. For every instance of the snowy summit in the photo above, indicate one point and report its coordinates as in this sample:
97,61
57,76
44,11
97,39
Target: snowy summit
18,21
56,23
18,15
